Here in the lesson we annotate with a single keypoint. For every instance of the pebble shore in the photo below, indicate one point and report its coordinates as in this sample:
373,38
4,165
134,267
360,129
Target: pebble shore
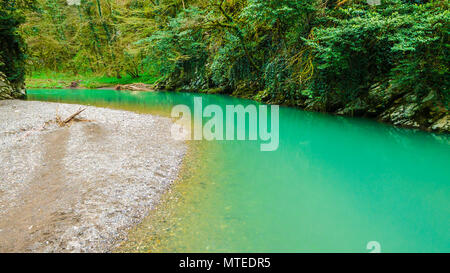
81,187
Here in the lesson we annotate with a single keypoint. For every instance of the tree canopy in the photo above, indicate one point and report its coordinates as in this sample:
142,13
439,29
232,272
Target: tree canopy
273,50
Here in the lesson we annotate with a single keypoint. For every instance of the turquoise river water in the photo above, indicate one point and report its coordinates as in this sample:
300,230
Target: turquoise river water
334,184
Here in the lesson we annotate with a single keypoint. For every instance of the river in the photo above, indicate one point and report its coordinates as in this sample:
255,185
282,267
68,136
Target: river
334,185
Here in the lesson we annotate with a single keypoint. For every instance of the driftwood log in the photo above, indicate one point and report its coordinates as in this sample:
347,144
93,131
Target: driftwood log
65,122
71,117
135,87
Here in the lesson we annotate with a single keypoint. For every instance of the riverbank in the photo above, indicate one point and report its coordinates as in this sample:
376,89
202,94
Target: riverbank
159,231
399,108
55,80
403,109
79,188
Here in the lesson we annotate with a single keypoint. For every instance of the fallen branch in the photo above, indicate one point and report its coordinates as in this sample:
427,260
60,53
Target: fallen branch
69,119
135,87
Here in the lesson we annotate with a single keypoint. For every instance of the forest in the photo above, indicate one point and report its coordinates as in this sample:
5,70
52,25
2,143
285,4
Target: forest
341,56
224,126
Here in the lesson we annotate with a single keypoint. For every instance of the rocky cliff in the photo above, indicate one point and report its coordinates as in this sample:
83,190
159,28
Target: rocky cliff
9,90
400,108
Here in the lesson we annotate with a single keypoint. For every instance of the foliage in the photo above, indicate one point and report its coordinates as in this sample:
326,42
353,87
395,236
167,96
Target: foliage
51,79
178,48
12,47
407,45
284,51
94,36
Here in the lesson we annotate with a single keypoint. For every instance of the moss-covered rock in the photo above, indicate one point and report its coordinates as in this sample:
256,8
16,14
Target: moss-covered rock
9,90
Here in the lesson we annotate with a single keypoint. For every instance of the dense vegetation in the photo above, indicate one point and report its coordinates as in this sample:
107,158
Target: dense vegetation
283,51
318,54
12,47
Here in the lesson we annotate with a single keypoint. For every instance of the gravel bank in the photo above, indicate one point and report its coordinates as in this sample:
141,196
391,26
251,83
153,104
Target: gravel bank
79,188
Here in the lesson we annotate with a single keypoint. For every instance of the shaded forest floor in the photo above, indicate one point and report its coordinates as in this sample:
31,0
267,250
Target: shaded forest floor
90,81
